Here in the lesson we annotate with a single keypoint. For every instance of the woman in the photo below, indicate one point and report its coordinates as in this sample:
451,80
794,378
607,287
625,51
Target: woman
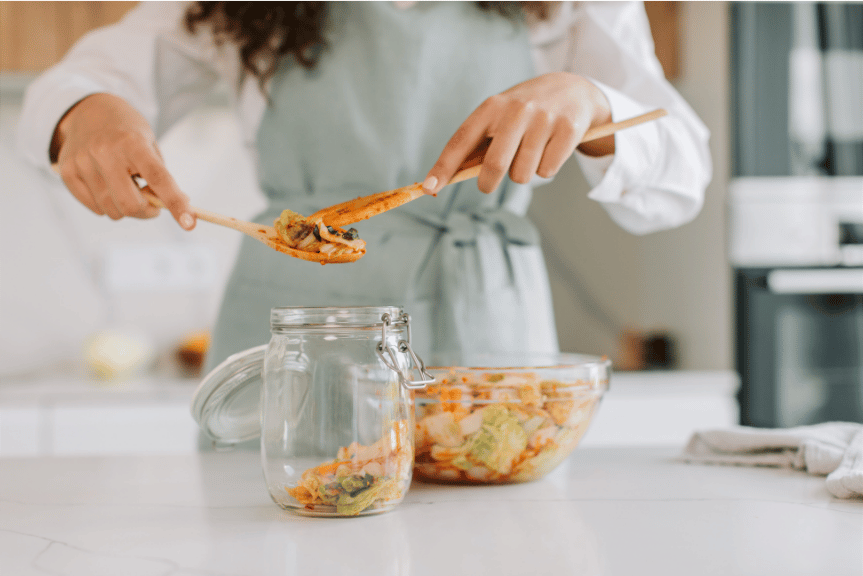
340,100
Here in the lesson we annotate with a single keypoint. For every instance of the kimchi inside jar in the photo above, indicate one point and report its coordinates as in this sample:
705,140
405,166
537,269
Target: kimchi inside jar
337,425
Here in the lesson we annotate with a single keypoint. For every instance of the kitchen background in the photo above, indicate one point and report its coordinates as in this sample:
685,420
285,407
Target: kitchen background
66,275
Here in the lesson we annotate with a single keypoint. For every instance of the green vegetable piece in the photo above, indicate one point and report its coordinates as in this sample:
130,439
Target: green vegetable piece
499,441
352,505
353,484
288,217
462,462
329,492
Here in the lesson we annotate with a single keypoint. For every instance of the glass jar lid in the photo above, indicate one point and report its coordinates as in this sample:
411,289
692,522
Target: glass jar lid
332,317
227,403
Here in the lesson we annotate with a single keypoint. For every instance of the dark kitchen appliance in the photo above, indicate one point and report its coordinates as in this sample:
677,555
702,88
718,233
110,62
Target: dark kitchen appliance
796,245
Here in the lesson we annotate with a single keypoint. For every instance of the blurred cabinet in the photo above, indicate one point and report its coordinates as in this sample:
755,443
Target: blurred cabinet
35,35
664,20
73,429
69,416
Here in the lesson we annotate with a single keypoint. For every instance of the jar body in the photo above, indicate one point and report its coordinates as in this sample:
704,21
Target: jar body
337,425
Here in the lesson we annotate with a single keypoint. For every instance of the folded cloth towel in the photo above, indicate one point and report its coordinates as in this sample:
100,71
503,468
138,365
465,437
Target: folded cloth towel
834,449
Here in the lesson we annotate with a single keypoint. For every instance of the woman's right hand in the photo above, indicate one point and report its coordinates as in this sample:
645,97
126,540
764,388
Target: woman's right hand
98,145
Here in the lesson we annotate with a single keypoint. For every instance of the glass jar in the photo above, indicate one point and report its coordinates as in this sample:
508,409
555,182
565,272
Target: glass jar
335,415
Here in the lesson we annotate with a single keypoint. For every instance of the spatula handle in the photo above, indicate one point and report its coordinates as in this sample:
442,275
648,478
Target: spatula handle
206,215
608,129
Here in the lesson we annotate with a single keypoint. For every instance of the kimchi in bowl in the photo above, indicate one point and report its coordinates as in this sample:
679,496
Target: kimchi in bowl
505,422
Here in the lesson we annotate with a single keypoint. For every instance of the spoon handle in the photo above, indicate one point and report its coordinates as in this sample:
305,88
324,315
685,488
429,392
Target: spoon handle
612,127
209,216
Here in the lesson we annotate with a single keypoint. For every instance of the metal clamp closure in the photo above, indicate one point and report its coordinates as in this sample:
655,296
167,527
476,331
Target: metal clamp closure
387,355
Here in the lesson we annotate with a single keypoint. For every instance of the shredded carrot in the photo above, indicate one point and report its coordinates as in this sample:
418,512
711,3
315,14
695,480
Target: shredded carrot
302,494
330,467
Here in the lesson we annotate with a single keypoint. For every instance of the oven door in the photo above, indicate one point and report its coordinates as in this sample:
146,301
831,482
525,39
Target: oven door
799,345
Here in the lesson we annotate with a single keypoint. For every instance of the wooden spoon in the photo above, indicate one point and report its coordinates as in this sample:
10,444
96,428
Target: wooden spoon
365,207
260,232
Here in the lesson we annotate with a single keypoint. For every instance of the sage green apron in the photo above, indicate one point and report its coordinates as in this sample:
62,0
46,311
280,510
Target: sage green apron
375,114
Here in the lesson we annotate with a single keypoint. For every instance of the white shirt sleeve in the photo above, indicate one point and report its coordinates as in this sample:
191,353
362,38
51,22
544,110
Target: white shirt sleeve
657,176
147,58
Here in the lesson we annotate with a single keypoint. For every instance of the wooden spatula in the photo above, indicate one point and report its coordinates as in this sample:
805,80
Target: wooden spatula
365,207
265,234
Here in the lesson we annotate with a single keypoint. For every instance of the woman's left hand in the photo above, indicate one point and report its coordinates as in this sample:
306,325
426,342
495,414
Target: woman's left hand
534,128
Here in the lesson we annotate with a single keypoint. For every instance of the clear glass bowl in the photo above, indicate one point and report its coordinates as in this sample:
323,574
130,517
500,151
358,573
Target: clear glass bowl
505,419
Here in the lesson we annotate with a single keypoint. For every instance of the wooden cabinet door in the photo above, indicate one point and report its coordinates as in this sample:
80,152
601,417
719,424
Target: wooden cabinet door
35,35
664,20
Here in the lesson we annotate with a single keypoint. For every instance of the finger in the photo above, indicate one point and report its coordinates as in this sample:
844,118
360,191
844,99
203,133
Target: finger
505,142
529,153
560,147
148,164
108,177
151,210
69,175
92,178
465,140
122,189
148,210
476,156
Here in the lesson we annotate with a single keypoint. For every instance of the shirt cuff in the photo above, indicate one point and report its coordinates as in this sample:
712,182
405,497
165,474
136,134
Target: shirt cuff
635,151
43,112
594,168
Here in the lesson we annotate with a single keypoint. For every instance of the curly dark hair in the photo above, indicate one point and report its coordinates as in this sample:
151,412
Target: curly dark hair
265,32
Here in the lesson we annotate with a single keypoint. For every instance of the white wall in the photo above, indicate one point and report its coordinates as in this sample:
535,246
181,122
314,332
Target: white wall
676,280
55,288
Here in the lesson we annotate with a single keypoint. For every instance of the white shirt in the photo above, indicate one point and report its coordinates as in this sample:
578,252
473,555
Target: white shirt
655,179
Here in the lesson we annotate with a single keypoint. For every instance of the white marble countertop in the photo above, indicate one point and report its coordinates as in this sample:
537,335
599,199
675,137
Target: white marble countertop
610,511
